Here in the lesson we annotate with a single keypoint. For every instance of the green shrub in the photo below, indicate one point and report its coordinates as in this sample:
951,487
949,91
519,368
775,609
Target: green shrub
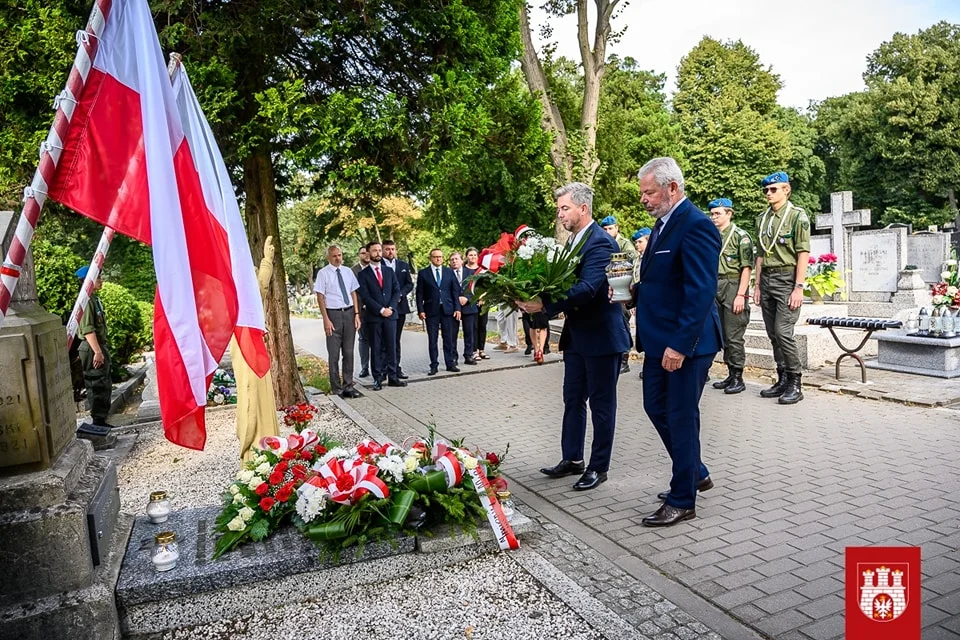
130,264
57,286
124,323
145,335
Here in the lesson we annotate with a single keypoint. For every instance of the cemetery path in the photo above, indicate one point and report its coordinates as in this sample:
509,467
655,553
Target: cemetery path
794,487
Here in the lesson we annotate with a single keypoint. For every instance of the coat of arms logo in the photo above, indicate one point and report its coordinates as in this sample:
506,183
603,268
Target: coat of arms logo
883,590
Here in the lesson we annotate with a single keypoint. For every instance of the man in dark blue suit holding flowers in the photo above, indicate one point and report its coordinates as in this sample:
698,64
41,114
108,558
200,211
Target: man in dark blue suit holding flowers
678,330
594,337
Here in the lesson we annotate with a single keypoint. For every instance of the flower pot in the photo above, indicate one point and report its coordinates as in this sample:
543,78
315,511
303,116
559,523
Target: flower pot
815,297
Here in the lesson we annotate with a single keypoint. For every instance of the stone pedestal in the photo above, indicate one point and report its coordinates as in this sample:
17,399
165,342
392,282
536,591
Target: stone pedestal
59,504
938,357
912,291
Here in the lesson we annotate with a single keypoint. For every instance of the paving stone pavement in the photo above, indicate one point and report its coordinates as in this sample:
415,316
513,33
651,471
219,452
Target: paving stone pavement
794,487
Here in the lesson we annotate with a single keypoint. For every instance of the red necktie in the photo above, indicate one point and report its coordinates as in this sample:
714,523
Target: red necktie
379,277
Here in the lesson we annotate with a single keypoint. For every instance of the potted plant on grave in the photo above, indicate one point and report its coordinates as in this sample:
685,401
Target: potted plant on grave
946,293
823,279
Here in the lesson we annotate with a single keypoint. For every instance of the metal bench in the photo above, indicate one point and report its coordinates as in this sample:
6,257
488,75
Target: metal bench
864,324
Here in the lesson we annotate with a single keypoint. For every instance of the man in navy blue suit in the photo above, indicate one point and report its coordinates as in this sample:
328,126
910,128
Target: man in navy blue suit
402,270
380,293
678,330
593,339
438,304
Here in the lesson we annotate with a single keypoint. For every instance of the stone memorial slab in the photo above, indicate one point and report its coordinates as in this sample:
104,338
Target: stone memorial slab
877,257
820,245
928,252
21,442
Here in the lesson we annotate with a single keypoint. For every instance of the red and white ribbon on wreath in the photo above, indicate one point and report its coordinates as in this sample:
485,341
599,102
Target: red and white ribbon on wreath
348,481
293,442
495,516
447,461
373,448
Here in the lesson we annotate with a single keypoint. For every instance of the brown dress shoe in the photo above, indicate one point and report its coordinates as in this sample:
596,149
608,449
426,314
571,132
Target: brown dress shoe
668,515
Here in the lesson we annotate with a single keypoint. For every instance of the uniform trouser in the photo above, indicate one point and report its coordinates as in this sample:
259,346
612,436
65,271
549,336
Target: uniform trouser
778,318
672,402
364,342
481,336
592,378
733,325
97,382
341,342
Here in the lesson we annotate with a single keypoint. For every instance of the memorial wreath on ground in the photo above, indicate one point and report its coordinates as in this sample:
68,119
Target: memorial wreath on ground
341,498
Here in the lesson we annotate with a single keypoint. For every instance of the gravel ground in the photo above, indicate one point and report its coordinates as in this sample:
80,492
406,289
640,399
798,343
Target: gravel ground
197,478
490,597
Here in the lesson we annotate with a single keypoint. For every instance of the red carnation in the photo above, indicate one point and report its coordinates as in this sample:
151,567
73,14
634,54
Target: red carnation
345,482
319,450
289,455
267,503
262,489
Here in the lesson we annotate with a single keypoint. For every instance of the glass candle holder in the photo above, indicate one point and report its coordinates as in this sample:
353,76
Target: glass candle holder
158,509
165,552
620,277
506,503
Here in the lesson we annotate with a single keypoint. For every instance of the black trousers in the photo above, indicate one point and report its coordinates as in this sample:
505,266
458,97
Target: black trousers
443,325
481,335
383,348
469,334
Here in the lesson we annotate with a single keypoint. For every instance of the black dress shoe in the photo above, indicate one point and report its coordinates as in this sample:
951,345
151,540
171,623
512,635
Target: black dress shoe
432,372
704,485
563,468
351,393
396,383
667,515
364,373
454,368
377,385
469,361
589,480
528,350
402,375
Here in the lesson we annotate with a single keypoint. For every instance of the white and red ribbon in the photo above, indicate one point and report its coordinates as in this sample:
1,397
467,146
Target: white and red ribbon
294,442
348,481
495,516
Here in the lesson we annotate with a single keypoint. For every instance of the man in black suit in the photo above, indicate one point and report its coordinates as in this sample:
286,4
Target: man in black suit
380,293
438,303
402,269
468,310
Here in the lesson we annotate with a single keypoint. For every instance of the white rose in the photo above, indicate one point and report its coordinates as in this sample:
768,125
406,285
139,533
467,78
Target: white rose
245,476
952,291
470,462
951,263
253,484
263,469
944,275
260,459
246,514
234,489
237,524
410,463
237,499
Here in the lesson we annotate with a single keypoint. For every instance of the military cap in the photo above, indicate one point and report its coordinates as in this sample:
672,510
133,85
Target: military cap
82,272
608,221
641,233
720,202
774,178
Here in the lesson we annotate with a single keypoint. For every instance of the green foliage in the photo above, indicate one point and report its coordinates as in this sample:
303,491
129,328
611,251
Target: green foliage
130,264
897,144
144,338
124,323
57,286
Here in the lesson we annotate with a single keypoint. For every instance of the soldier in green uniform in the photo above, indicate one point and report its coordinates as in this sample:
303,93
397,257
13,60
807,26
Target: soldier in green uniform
783,232
610,225
737,256
94,355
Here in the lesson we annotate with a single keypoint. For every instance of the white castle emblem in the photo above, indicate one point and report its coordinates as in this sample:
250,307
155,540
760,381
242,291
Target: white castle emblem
883,596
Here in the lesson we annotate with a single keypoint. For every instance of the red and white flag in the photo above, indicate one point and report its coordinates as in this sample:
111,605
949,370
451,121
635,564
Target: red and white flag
221,201
127,164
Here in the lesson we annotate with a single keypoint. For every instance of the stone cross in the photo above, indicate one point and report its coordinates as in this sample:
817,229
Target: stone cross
842,220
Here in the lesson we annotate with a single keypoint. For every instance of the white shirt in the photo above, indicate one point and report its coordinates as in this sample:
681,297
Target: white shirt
328,286
579,235
389,263
459,274
666,217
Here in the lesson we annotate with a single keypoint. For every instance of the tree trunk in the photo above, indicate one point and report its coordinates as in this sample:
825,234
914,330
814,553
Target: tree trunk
261,212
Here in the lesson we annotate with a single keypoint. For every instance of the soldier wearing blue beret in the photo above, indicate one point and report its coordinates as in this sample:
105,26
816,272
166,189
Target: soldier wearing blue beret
737,256
783,232
610,225
94,355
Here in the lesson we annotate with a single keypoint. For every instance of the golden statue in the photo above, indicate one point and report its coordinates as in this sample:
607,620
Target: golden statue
256,405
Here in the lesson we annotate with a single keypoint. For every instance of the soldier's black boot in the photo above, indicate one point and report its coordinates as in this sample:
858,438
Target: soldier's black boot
778,387
723,384
736,385
793,393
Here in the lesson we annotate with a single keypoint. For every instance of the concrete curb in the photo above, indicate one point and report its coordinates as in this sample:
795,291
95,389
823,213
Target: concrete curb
123,393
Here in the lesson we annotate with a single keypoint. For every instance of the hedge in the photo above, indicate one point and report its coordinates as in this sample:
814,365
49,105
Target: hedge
57,286
124,323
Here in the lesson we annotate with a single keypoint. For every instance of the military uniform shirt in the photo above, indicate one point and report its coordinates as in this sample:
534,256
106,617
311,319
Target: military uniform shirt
94,321
737,252
782,235
626,247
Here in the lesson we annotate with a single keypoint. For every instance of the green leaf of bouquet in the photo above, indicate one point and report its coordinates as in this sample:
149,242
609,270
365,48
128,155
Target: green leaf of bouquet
259,530
328,530
400,506
431,482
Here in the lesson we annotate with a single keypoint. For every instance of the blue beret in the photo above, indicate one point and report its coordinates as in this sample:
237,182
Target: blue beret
641,233
609,220
773,178
82,272
720,202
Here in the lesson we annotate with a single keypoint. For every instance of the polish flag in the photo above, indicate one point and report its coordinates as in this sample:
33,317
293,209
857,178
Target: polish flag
221,200
127,164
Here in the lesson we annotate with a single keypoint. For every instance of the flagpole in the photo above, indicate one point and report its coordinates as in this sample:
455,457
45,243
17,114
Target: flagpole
35,195
96,264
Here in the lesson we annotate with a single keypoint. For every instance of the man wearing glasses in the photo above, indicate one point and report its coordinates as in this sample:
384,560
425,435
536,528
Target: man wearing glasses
733,282
783,231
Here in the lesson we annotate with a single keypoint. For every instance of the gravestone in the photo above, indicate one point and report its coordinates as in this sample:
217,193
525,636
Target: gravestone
928,251
876,260
58,502
841,221
820,245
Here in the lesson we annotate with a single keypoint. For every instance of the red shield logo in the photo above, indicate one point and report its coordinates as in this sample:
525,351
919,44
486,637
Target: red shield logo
883,593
